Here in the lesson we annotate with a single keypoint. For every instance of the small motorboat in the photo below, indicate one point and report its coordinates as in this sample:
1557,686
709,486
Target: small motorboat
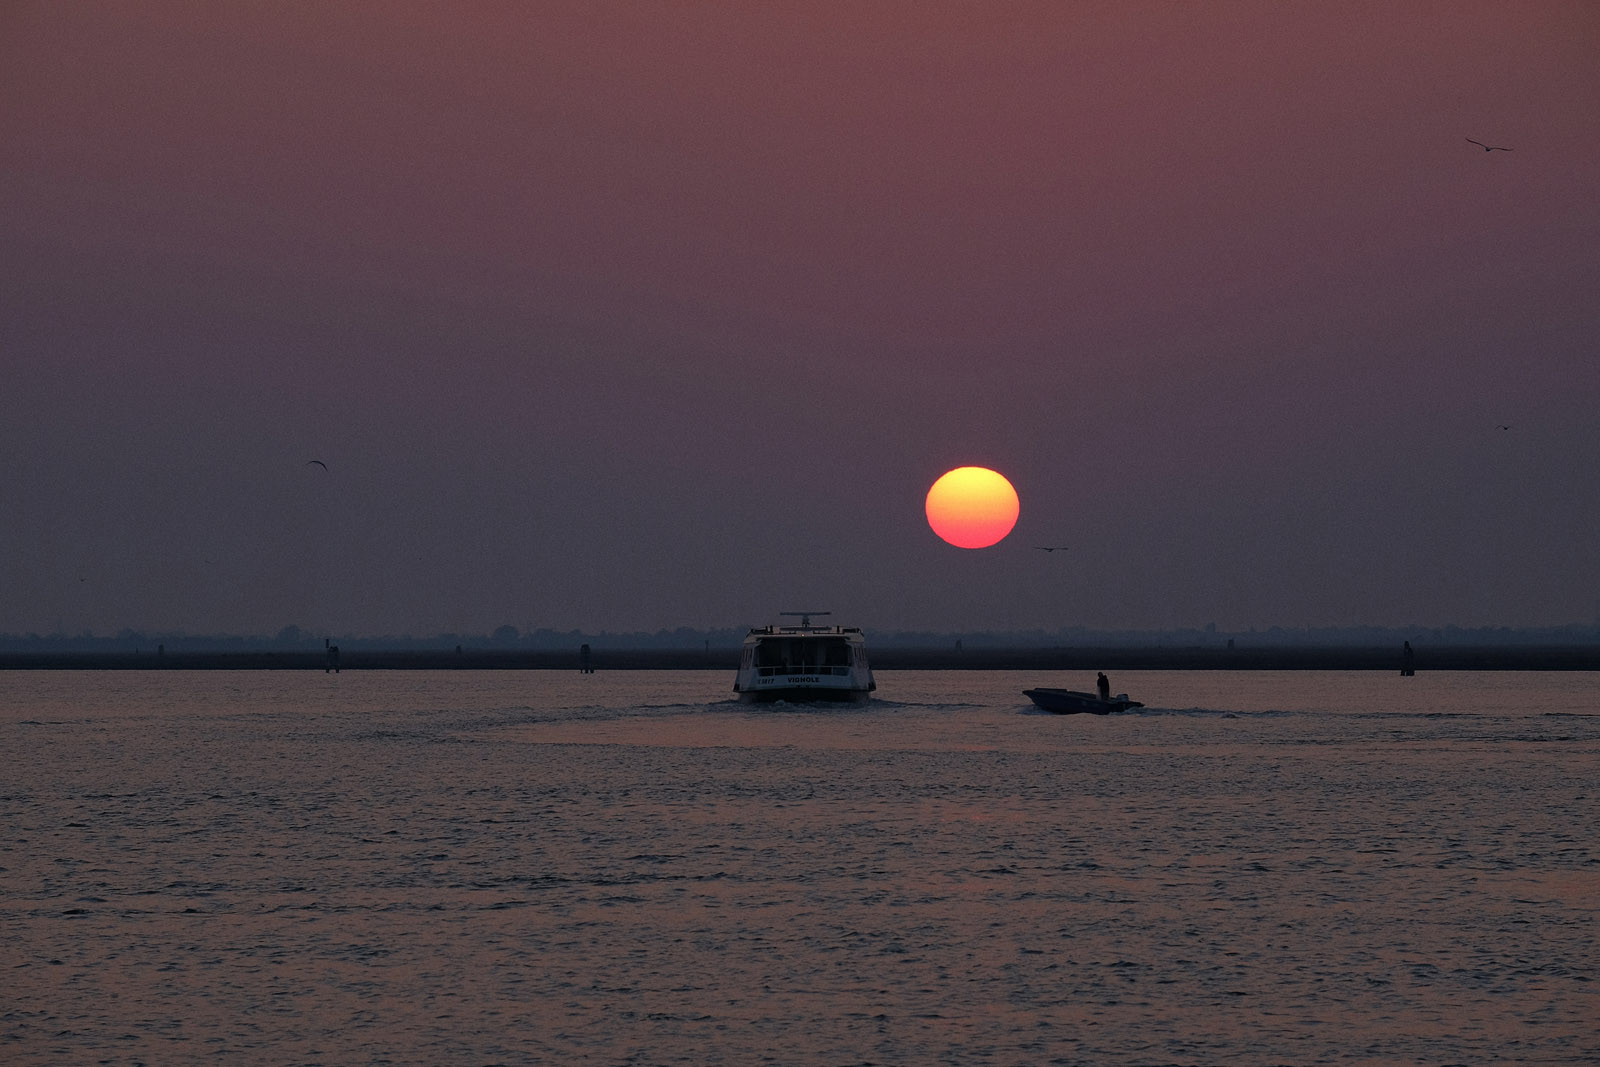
1072,702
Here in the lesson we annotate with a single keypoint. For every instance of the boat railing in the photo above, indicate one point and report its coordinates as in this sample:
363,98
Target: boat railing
797,668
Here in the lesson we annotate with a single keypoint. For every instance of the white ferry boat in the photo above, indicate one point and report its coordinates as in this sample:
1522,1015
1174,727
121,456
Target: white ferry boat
804,663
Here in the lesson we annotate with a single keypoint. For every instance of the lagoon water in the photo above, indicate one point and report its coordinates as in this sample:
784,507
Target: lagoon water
626,868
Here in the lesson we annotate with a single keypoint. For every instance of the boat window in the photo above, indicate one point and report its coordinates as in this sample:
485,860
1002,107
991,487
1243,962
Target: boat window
803,653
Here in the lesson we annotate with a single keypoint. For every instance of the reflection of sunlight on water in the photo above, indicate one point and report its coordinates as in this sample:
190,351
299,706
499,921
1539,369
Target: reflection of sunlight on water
541,867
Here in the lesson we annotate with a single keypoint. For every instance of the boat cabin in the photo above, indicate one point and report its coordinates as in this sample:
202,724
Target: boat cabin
804,663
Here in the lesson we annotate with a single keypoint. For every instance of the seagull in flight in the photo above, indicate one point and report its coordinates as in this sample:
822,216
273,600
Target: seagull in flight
1489,147
1505,426
1051,548
316,463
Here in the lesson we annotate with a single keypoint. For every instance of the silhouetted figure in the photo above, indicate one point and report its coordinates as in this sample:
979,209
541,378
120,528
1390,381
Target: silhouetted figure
333,660
1103,684
1407,662
584,666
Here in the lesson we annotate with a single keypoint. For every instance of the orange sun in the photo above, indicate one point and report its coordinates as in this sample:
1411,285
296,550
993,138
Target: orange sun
972,507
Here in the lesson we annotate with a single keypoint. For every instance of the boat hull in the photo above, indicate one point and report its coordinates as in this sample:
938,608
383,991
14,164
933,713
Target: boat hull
804,694
1072,702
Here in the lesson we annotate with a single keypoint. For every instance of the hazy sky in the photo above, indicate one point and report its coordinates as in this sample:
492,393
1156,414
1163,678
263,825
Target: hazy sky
628,316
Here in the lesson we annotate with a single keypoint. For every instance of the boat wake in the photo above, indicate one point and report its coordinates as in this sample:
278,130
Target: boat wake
921,705
1210,713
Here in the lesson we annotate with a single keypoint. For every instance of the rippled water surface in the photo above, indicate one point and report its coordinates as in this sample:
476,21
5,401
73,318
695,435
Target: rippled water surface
625,868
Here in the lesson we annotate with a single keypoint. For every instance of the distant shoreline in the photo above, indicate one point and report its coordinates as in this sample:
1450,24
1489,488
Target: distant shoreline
1444,658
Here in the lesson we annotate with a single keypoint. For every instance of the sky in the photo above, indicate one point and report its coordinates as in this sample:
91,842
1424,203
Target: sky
637,316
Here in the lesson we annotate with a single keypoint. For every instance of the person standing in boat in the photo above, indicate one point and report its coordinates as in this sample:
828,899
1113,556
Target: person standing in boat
1104,685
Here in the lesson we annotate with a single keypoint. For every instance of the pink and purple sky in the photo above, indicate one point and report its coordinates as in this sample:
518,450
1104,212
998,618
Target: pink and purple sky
630,316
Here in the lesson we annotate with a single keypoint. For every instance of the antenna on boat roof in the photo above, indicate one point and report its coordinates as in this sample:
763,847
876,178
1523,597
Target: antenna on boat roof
805,616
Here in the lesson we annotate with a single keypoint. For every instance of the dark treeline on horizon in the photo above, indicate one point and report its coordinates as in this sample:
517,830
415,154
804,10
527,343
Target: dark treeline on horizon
509,638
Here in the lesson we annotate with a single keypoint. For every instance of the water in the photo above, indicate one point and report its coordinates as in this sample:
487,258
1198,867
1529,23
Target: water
624,868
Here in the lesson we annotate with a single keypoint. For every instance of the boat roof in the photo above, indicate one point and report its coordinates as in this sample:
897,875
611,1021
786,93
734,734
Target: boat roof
805,631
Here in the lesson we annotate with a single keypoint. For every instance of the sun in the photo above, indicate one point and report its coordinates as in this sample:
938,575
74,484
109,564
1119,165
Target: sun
972,507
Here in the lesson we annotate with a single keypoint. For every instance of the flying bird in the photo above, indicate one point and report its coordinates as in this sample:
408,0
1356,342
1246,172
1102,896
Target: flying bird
316,463
1489,147
1051,548
1505,426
